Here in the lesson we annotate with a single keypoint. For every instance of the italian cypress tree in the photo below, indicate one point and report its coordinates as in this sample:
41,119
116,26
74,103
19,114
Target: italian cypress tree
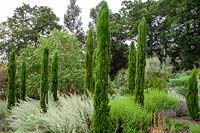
88,83
131,68
44,80
11,80
23,81
101,119
192,95
54,77
140,62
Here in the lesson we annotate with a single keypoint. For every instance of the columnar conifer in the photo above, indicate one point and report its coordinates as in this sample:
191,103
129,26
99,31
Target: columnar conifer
44,80
101,119
11,80
23,81
131,68
192,95
54,77
88,83
140,62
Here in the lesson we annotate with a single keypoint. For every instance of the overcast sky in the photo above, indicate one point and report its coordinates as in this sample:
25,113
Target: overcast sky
59,7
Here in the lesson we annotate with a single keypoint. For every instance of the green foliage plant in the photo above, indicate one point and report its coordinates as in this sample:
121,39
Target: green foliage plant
11,80
44,80
194,128
192,95
54,77
140,62
101,119
88,83
23,82
127,116
131,68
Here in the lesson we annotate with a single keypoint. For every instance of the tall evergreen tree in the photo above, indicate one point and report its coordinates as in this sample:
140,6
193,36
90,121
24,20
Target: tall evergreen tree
54,77
140,62
11,80
131,68
101,119
44,79
192,95
23,81
88,83
72,20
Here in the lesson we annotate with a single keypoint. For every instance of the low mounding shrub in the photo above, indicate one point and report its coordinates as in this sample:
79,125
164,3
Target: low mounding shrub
3,108
127,116
157,100
69,114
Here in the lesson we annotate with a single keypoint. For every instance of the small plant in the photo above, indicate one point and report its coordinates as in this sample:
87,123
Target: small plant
127,116
11,80
192,95
194,128
23,82
44,80
176,125
157,100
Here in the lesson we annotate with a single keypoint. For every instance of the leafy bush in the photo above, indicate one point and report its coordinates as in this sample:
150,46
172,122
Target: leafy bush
175,125
156,74
119,84
3,108
157,100
194,128
69,114
71,66
128,116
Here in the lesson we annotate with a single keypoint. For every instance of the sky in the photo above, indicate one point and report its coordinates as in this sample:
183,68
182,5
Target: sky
59,7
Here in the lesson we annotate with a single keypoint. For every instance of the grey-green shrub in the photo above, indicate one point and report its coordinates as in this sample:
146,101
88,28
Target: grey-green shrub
157,100
128,115
69,114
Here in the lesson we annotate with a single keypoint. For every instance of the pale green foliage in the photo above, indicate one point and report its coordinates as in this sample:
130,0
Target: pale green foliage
157,100
71,66
156,74
69,115
3,108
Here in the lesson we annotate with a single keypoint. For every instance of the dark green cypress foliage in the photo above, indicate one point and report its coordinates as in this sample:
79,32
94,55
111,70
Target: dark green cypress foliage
131,68
192,95
140,62
101,119
44,80
54,77
11,80
23,82
88,83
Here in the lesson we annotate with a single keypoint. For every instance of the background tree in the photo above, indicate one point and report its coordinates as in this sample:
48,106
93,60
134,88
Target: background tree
192,95
44,80
26,26
72,21
101,119
131,68
140,62
11,80
88,83
54,77
23,81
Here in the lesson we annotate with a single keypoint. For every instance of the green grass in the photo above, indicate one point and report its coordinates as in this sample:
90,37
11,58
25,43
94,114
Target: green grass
194,128
126,114
175,125
156,101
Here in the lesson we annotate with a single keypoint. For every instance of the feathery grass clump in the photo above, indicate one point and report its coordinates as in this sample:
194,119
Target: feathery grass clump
69,114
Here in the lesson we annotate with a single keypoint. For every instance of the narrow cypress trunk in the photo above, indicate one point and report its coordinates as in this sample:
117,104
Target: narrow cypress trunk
44,80
54,77
23,82
11,80
101,119
140,62
131,68
88,83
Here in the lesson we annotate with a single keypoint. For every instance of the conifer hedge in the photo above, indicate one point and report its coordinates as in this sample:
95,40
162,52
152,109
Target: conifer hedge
101,119
11,80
